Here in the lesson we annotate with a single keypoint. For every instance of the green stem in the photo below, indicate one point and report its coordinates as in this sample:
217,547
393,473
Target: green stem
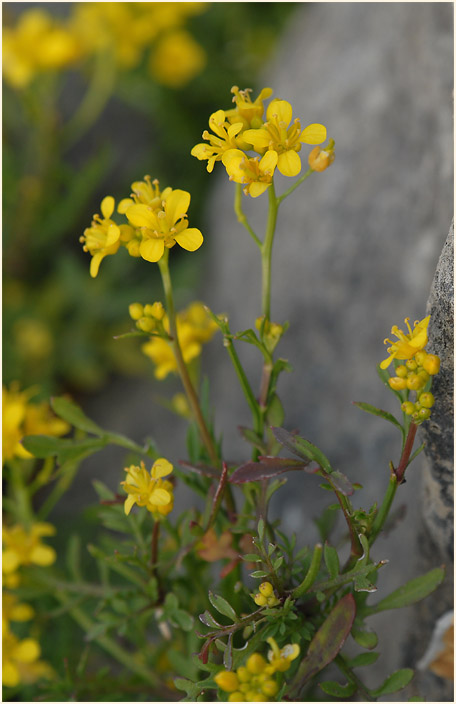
22,499
182,367
351,677
383,512
58,491
312,572
266,253
248,393
294,186
241,216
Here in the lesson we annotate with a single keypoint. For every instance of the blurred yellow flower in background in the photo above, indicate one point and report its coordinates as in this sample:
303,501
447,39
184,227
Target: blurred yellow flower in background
20,418
37,43
177,59
24,547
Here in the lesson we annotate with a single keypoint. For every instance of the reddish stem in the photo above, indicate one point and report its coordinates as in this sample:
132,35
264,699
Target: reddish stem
407,451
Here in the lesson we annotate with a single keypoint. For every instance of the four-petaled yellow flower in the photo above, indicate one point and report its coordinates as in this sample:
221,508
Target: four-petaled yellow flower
149,489
102,237
255,173
223,139
24,547
407,345
277,134
164,225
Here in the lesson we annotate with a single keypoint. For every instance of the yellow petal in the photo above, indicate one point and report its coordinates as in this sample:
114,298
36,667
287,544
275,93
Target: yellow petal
259,139
280,109
269,161
152,249
177,205
257,188
10,674
160,497
43,555
22,612
313,134
10,561
190,239
200,151
107,207
289,163
234,129
129,503
112,235
28,650
95,263
124,204
161,468
140,215
42,529
216,122
387,362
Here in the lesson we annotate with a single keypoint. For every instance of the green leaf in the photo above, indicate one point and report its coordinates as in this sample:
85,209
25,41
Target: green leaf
331,561
363,659
253,438
415,590
378,412
265,468
73,414
334,689
261,530
48,446
73,557
302,448
398,680
258,574
365,638
327,641
222,606
361,584
182,619
251,557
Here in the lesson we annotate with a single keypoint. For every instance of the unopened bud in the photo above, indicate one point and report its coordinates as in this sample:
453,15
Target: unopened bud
266,589
397,383
432,364
401,371
408,407
414,382
227,681
427,400
320,159
136,311
145,324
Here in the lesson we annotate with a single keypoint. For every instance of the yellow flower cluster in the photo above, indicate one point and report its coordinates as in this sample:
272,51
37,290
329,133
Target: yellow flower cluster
265,595
149,489
157,220
194,328
20,663
23,546
40,43
255,681
417,370
20,418
277,140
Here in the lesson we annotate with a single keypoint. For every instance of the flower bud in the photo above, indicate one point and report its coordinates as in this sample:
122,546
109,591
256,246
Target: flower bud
413,382
260,600
408,407
243,674
270,687
432,364
427,399
266,589
155,310
424,414
145,324
411,365
136,311
236,697
420,356
256,663
401,371
320,159
397,383
227,681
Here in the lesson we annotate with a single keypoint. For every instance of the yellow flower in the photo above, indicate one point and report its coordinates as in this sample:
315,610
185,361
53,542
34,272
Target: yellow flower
35,45
12,610
278,135
194,327
407,345
177,59
22,418
149,489
24,547
102,237
223,139
248,112
281,658
255,173
163,228
319,159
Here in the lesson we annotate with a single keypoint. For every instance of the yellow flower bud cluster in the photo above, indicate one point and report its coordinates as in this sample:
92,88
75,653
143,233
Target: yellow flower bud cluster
254,681
265,595
148,318
275,136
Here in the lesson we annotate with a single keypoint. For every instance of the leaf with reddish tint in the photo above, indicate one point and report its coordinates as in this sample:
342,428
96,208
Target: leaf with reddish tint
265,468
302,448
327,641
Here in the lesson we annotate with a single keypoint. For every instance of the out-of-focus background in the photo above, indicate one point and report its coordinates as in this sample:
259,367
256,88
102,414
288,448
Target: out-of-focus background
126,89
